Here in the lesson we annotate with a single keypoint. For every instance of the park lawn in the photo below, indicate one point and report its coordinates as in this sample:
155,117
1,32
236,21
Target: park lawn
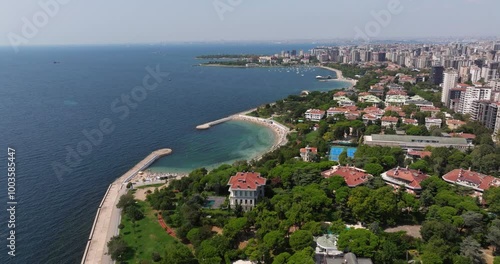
147,237
312,136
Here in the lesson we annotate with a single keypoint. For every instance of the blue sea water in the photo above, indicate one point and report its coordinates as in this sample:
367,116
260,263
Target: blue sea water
46,106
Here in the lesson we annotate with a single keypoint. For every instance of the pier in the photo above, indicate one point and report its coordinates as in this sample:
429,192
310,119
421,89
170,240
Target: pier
222,120
213,123
108,216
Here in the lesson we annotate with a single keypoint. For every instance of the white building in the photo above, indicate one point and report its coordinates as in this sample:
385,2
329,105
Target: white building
308,154
343,100
314,115
494,84
397,99
432,122
473,94
475,74
387,121
245,188
490,72
450,81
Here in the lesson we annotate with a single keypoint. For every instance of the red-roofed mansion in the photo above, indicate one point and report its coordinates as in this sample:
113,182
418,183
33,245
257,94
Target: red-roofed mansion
406,178
245,188
352,176
475,180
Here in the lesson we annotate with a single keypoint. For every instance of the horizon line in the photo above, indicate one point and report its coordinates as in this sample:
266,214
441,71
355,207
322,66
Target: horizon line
277,41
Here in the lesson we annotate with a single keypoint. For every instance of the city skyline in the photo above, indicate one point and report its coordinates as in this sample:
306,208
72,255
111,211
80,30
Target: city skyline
62,22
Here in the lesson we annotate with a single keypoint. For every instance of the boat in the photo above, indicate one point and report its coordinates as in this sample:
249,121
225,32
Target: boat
319,77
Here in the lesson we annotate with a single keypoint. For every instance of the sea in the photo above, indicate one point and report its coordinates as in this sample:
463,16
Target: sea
56,100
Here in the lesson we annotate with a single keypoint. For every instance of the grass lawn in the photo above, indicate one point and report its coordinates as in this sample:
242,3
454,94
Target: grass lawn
147,236
311,137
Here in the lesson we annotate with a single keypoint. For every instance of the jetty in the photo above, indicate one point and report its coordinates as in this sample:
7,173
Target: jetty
222,120
108,217
213,123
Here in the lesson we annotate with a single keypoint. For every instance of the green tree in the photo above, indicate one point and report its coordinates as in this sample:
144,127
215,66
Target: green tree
373,129
493,235
420,165
343,158
337,227
388,252
492,198
302,257
177,253
118,249
314,227
433,228
417,131
134,213
373,169
208,254
197,235
125,201
361,242
274,241
282,258
300,240
471,249
431,258
234,227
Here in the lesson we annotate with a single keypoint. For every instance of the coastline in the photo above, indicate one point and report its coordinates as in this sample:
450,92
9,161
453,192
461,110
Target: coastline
280,131
340,76
108,217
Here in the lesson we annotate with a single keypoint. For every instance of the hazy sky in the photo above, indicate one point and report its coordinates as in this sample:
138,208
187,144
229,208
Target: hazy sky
138,21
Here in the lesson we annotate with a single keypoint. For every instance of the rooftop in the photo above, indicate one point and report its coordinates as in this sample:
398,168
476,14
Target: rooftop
315,111
421,154
390,119
476,180
412,178
353,176
419,139
246,181
311,149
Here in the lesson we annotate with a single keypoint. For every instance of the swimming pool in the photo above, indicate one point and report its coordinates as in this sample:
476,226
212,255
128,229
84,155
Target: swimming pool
337,150
209,203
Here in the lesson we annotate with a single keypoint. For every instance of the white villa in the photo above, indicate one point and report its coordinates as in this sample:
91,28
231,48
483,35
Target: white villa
314,115
245,188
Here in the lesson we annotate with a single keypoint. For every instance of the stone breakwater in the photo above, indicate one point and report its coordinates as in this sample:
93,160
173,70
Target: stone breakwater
108,216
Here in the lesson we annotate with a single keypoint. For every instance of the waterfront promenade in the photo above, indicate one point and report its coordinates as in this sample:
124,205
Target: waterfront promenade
108,216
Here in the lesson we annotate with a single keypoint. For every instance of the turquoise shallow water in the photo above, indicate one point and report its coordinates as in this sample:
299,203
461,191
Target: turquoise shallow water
227,142
46,107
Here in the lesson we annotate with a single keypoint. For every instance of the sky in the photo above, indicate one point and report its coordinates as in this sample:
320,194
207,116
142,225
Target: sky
152,21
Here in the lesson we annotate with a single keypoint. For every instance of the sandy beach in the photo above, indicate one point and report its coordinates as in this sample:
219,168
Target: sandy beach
278,129
340,76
